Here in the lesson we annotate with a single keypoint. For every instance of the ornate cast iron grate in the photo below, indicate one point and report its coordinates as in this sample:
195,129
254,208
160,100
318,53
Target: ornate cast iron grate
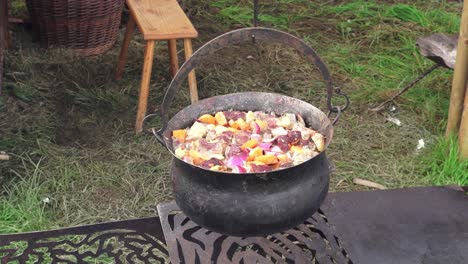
311,242
133,241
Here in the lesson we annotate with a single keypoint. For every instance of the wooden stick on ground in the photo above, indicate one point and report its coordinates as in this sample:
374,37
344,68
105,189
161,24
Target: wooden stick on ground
460,76
369,184
406,88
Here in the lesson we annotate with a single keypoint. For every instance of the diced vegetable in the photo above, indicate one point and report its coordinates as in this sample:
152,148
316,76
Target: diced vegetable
255,128
319,141
180,134
197,131
279,131
247,142
265,146
239,169
284,122
179,152
220,129
267,159
254,153
262,124
242,124
251,143
234,124
249,117
207,119
220,119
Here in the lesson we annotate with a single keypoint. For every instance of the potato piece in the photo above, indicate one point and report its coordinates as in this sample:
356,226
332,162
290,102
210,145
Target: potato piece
218,168
267,159
207,119
297,149
196,157
249,117
319,141
262,124
283,158
180,134
197,131
220,129
251,143
279,131
284,121
180,153
220,119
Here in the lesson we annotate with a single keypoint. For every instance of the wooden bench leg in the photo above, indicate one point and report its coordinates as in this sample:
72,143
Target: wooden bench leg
172,46
124,49
192,80
5,32
144,88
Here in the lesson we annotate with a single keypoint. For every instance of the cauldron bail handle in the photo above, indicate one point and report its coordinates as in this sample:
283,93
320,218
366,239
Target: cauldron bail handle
244,35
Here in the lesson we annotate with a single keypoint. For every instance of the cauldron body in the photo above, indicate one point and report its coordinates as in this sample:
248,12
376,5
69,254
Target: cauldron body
250,204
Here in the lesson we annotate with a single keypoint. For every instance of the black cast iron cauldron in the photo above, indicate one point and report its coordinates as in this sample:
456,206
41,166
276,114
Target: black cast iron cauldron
249,204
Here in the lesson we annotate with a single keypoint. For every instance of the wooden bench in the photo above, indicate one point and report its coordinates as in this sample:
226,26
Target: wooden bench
157,20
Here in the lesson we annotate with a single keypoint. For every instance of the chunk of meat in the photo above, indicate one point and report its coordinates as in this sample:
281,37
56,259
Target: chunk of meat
295,137
234,115
241,137
209,150
260,168
233,150
211,162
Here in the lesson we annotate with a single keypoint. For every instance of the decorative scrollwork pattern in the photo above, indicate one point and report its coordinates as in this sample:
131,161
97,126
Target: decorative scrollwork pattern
133,241
310,242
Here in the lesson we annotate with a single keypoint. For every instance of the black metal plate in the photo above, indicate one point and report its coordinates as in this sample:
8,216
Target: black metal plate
311,242
132,241
415,225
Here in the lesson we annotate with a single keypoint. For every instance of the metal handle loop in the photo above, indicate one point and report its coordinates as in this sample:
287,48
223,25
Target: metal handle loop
237,37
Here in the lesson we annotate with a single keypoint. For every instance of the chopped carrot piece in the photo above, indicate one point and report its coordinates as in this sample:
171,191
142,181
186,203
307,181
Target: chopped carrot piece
180,134
220,119
251,143
267,159
254,153
207,119
242,124
234,124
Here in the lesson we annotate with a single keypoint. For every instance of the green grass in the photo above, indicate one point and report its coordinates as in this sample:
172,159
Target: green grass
69,125
21,206
445,167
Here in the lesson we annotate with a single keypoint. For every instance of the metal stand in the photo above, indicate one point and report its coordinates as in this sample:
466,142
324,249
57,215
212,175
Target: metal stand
311,242
414,225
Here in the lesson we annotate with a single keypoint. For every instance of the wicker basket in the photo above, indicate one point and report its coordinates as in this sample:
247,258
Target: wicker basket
88,27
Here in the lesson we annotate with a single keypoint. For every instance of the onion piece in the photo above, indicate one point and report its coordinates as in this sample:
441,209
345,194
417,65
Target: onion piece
276,149
256,136
269,140
265,146
238,160
256,128
239,169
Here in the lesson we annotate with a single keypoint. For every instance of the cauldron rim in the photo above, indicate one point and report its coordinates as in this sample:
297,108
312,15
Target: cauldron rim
168,139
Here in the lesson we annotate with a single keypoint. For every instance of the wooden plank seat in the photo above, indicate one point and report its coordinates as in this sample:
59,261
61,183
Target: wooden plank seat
157,20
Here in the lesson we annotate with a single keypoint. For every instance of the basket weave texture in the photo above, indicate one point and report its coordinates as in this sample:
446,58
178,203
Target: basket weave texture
88,27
